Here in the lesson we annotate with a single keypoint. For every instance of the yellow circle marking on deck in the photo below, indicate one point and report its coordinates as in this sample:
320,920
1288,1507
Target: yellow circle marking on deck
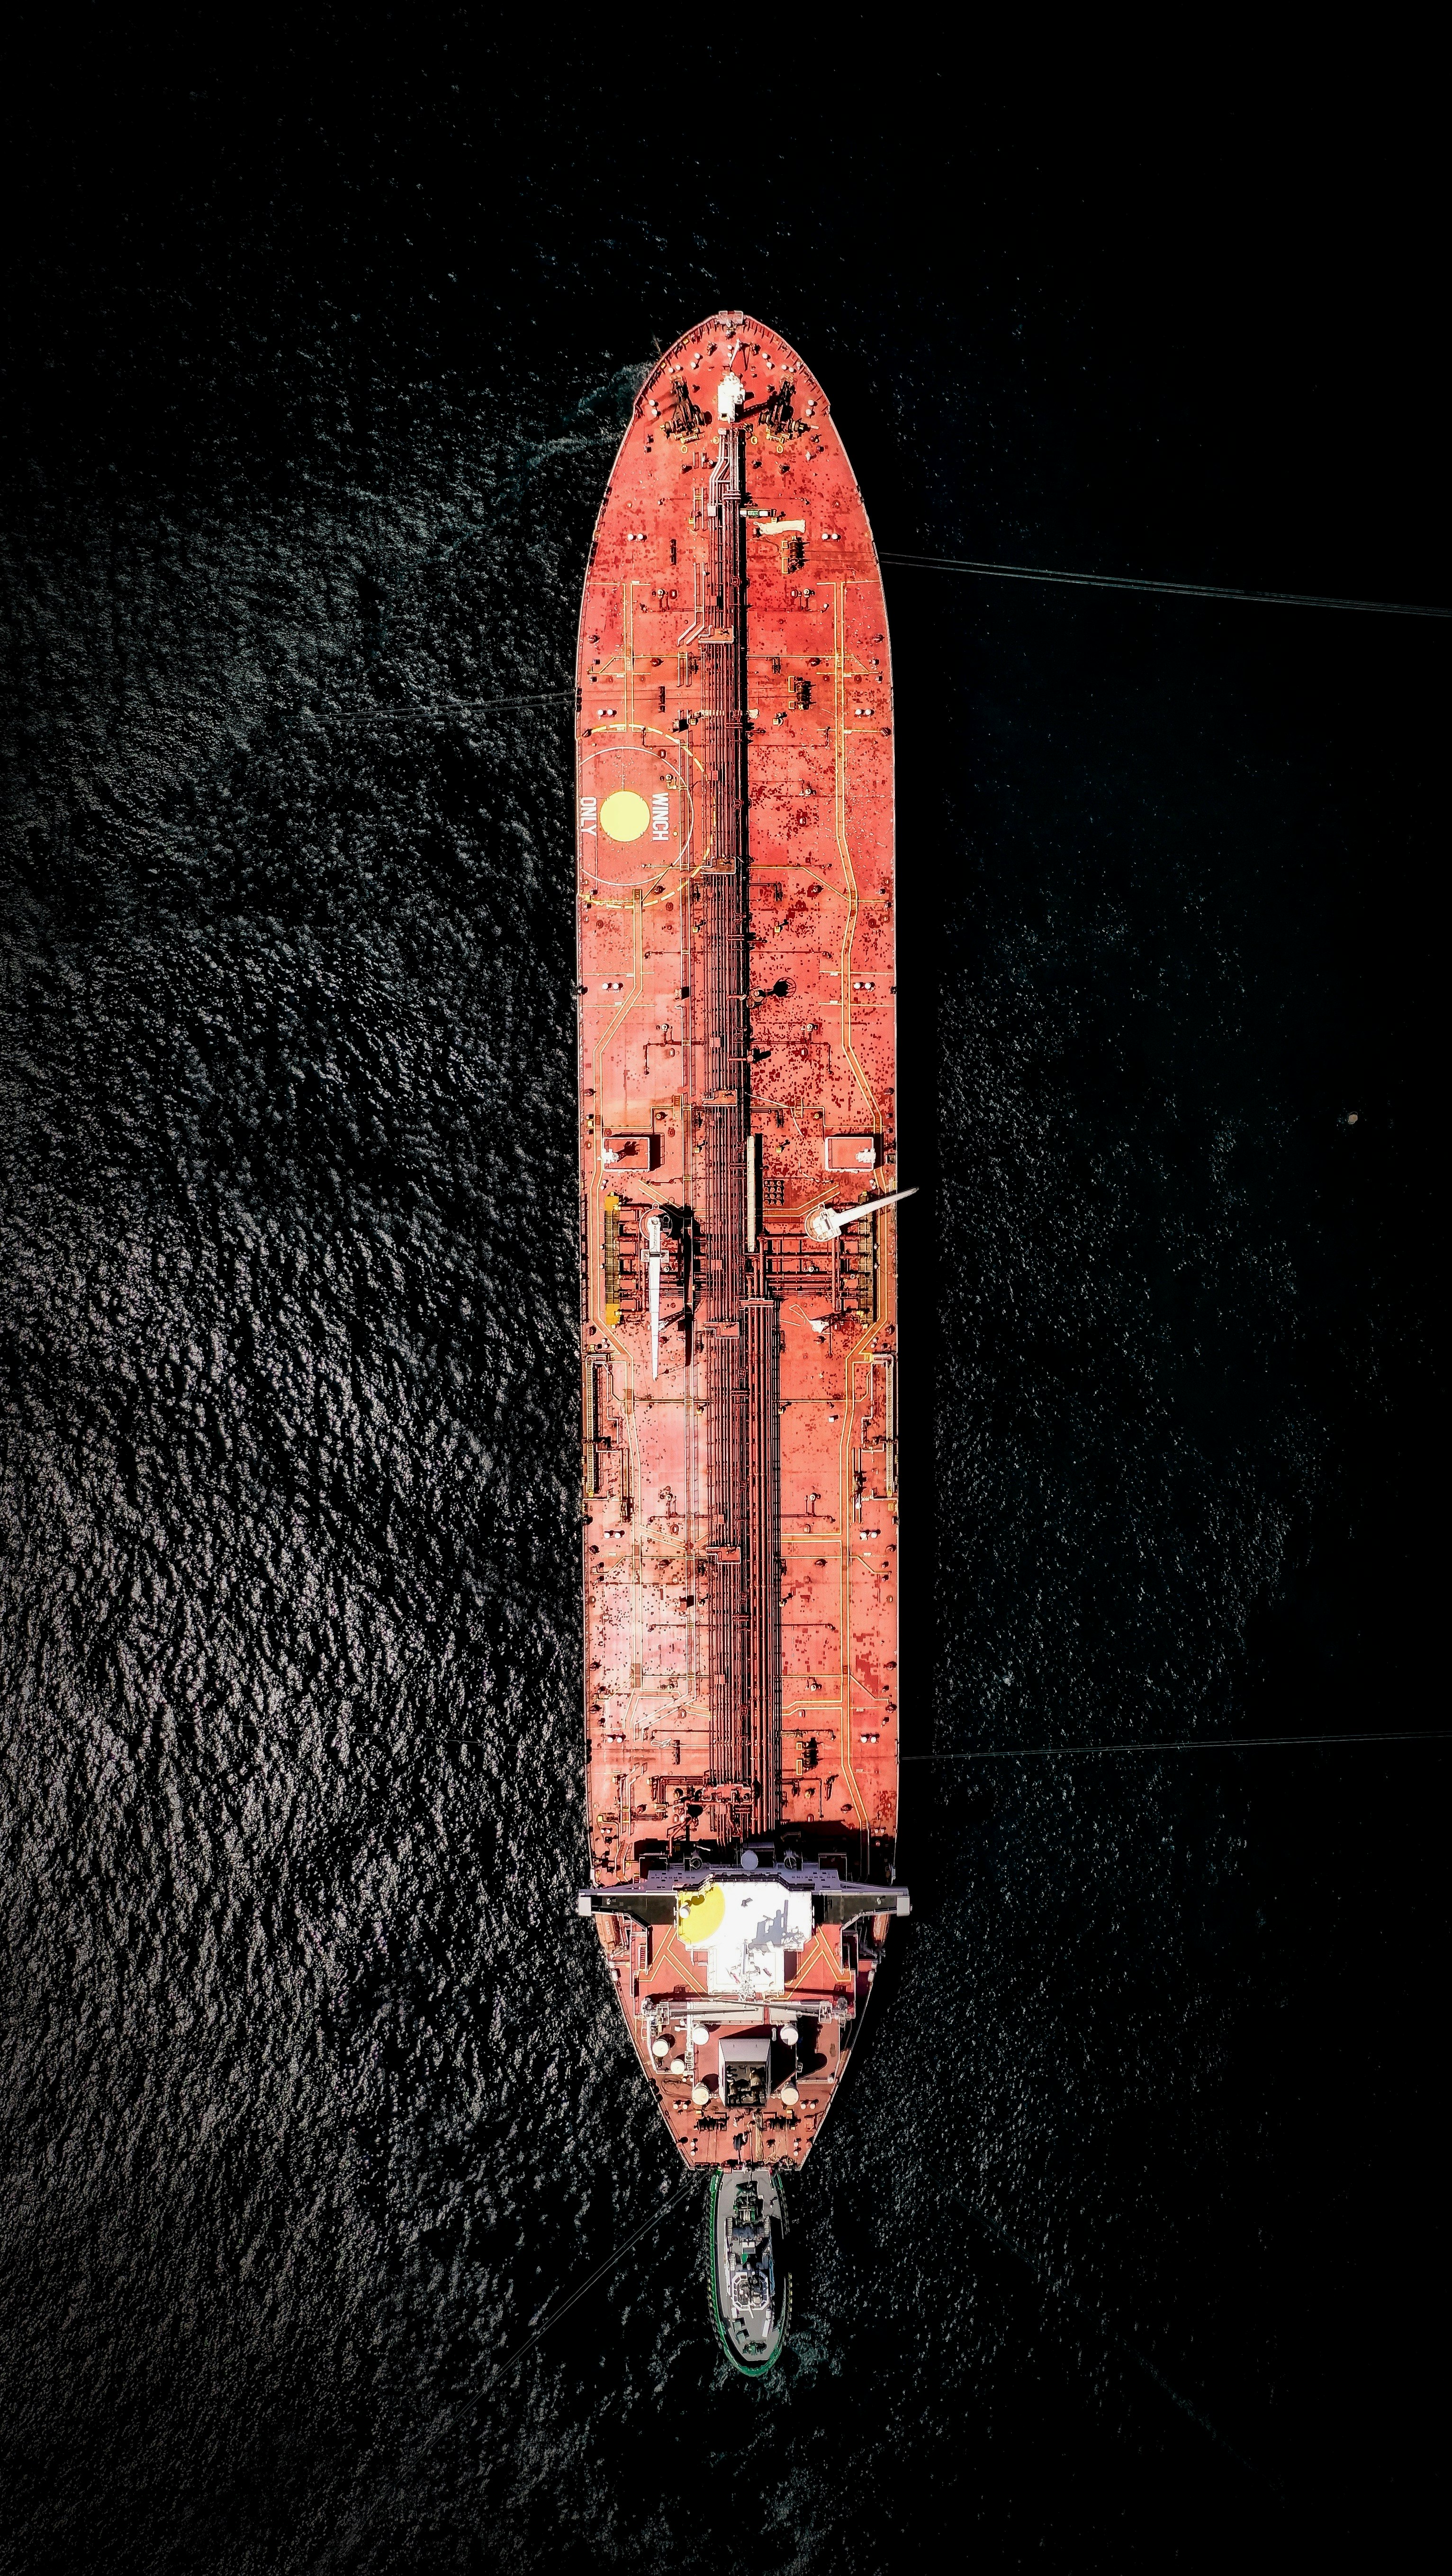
624,815
700,1914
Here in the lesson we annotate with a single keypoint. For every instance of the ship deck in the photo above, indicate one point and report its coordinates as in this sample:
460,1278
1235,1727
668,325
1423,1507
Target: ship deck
737,1076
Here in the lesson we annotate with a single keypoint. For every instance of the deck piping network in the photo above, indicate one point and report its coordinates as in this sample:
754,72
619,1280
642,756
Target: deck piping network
743,1455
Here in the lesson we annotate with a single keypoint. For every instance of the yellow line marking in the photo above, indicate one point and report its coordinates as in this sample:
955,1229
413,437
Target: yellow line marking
839,816
627,1004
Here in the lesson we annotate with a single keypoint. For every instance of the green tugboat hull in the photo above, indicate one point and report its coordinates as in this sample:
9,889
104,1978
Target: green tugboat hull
746,2266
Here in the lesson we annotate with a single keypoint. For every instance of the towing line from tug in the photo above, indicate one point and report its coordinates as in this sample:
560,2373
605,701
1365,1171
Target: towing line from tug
740,1360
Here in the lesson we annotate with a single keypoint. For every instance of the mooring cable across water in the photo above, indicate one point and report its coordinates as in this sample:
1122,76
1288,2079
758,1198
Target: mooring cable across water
1186,1744
986,572
672,2201
1113,2339
1164,589
457,707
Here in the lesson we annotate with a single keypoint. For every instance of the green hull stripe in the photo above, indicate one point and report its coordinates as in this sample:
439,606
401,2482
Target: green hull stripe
748,2369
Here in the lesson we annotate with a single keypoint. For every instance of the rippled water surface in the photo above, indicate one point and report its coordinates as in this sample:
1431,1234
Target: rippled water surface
313,2094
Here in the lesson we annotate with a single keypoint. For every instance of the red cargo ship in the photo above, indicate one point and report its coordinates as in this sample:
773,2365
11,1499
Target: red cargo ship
738,1151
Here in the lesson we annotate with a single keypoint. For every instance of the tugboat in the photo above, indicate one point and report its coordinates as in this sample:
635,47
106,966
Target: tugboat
738,1186
751,2288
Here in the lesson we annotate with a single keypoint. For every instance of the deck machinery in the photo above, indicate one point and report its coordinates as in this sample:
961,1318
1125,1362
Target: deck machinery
738,1252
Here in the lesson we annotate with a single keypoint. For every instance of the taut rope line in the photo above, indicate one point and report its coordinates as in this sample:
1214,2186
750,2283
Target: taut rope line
1186,1744
598,2274
1165,589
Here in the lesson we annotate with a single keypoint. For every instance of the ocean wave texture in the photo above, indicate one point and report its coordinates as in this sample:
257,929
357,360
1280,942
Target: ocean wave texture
315,2101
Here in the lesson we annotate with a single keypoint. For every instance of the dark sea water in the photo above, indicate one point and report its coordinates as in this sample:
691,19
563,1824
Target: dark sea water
1122,2244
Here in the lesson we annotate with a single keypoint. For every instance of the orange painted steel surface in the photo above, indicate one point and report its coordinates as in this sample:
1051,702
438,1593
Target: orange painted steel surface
740,1358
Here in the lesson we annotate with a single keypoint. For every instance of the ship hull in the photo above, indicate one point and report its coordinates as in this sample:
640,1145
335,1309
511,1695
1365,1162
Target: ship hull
737,1079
